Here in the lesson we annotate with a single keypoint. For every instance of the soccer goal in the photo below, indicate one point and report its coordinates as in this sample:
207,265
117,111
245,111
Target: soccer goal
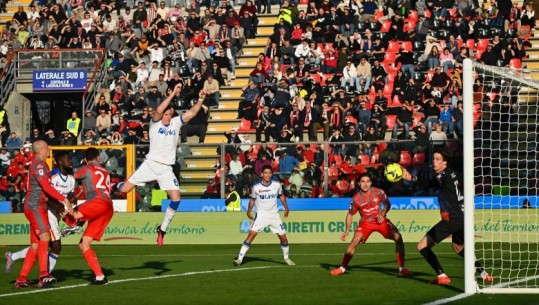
501,177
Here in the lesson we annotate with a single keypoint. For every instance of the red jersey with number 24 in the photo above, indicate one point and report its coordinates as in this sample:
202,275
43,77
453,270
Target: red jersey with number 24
96,179
369,204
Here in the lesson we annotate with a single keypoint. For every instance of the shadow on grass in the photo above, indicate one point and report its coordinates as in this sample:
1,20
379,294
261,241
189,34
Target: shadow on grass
249,259
160,267
417,276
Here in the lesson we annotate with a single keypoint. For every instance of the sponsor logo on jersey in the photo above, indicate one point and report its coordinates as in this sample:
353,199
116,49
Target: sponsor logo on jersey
267,196
166,132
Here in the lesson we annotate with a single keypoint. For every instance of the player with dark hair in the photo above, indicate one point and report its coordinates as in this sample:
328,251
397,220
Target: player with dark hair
265,193
164,134
35,210
372,204
64,183
97,210
451,200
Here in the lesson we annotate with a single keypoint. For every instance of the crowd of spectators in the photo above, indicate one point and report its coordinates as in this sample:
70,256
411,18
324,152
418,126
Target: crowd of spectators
351,71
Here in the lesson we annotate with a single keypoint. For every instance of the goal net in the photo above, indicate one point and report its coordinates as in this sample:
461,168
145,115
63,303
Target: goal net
500,169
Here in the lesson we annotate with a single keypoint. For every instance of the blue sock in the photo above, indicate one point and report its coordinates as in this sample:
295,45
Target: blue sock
174,205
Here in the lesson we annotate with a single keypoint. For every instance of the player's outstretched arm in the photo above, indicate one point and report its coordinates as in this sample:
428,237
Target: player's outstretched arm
285,205
158,113
186,117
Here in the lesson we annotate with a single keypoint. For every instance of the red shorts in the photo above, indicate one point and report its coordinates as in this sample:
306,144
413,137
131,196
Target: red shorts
366,228
39,223
98,214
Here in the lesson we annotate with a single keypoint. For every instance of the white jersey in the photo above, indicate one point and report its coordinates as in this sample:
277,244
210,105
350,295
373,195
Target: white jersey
63,184
266,197
164,140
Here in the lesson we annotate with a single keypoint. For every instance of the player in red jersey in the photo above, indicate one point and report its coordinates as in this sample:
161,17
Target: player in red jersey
373,205
97,211
35,210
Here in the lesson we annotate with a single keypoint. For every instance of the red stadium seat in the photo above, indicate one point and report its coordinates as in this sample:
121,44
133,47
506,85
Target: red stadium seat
396,101
428,14
390,78
365,160
478,54
419,159
442,45
393,46
245,125
385,26
406,158
381,147
333,173
407,45
338,160
452,13
470,44
476,107
515,63
343,186
482,44
378,15
275,165
412,16
416,120
408,26
390,121
389,58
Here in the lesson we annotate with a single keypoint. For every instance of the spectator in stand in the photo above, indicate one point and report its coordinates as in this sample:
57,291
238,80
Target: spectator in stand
378,121
489,57
404,119
350,77
67,138
364,117
13,142
432,113
198,125
103,122
50,138
445,120
433,58
528,16
364,75
248,107
287,164
350,134
258,75
310,119
438,136
36,135
336,138
440,80
457,120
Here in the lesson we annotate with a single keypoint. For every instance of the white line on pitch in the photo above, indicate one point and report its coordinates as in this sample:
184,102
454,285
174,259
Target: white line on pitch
448,300
149,278
258,254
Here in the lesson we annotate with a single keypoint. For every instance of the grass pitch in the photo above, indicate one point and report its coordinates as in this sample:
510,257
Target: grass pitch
205,275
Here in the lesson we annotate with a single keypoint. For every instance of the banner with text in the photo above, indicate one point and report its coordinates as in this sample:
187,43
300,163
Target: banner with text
59,80
301,226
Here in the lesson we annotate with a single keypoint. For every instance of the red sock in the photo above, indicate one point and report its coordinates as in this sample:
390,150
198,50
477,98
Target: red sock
400,259
91,259
29,261
43,257
346,259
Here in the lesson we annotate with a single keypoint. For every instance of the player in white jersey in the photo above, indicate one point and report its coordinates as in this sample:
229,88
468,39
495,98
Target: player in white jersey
164,134
264,194
64,183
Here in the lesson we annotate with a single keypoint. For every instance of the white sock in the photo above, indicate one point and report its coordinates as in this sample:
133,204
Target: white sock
169,214
243,251
52,260
442,275
19,254
342,268
285,251
401,268
100,278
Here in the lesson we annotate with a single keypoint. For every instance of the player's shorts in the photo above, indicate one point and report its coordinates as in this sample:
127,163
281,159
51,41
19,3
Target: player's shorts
444,229
367,227
274,222
154,171
55,226
39,223
98,214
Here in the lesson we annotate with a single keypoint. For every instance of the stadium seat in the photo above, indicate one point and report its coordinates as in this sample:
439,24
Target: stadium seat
428,14
390,121
385,26
379,14
470,44
409,26
417,119
515,63
412,16
395,102
275,165
338,160
442,45
376,26
381,147
308,155
333,173
245,125
482,44
365,160
452,13
390,78
393,46
405,159
478,54
419,46
419,159
389,58
388,89
343,186
407,45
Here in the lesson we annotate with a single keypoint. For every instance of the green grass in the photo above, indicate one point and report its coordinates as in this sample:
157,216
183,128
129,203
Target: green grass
205,275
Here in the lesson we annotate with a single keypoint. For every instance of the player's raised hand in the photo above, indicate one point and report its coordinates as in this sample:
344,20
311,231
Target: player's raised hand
202,94
344,235
406,174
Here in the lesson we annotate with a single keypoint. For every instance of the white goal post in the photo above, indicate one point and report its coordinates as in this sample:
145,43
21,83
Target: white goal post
501,172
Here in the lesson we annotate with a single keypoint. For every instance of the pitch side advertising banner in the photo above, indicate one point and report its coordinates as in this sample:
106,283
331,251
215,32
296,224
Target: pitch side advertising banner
301,226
